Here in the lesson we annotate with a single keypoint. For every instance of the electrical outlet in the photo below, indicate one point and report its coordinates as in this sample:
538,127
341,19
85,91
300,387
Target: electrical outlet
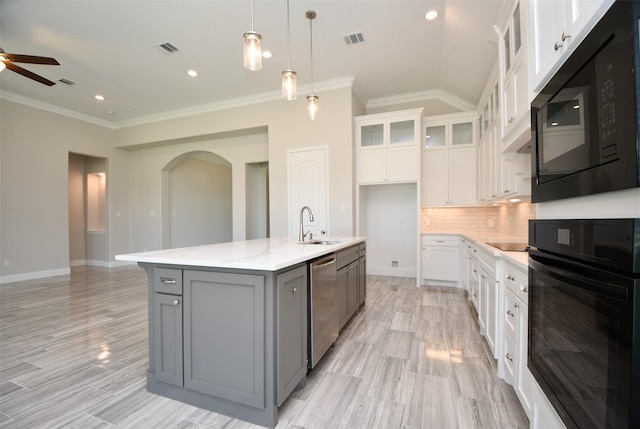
394,264
6,263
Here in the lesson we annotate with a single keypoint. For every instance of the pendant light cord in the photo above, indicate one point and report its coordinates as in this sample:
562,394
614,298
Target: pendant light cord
288,37
251,15
311,49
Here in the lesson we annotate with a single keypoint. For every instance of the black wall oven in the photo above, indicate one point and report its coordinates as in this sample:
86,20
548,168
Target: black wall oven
584,319
584,122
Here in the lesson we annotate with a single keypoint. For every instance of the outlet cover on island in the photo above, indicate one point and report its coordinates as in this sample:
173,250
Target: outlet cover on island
394,264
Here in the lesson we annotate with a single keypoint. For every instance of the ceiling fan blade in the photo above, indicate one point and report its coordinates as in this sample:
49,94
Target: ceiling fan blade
31,59
30,75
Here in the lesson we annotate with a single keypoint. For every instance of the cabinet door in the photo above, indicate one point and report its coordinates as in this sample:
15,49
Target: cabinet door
482,302
347,292
492,314
403,164
362,280
578,14
463,176
524,379
224,336
435,185
167,332
547,20
372,165
291,331
474,281
441,263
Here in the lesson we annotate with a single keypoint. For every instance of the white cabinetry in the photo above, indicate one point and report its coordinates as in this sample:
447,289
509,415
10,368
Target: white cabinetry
516,334
557,27
441,258
449,160
488,300
388,147
516,121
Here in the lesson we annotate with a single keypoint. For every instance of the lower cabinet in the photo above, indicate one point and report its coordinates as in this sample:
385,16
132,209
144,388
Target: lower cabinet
441,258
230,341
224,335
352,282
291,335
168,338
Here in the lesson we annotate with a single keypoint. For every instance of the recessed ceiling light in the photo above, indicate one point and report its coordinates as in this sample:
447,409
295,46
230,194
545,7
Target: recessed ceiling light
192,73
266,54
432,14
110,112
99,97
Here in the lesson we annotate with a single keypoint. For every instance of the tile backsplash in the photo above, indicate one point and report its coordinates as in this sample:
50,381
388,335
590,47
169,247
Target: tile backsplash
507,222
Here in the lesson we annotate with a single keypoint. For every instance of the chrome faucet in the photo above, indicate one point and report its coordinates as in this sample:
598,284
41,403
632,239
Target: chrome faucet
303,234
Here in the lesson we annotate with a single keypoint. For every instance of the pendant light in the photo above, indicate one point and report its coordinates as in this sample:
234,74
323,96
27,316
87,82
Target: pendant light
252,48
289,76
312,99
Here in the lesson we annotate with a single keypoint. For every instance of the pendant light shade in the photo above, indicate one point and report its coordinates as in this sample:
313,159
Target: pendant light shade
2,65
252,48
312,99
289,77
313,106
252,51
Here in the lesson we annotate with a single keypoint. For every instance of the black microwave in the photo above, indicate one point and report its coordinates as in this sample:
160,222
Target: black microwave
584,122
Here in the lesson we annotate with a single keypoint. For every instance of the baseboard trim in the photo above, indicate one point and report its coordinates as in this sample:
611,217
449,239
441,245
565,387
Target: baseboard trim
34,275
392,271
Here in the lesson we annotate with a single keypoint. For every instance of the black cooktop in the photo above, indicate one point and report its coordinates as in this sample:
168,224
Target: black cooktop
511,247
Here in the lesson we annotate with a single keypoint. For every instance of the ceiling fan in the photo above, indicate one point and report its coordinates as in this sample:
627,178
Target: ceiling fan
8,60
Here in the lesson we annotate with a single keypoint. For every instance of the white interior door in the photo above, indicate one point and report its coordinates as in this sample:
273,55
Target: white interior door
307,176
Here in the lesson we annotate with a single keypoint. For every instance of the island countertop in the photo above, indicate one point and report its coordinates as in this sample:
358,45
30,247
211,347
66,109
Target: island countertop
264,254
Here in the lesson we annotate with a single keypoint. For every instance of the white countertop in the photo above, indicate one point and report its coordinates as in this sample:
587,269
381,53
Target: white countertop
265,254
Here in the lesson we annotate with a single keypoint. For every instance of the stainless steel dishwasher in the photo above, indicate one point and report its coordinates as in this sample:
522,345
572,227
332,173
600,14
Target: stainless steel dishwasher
323,310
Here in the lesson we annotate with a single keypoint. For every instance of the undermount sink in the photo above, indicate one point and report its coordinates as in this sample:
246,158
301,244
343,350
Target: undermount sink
321,242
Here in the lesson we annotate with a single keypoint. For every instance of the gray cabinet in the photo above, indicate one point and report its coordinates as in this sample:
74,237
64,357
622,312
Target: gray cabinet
362,278
166,300
224,336
348,287
168,338
291,333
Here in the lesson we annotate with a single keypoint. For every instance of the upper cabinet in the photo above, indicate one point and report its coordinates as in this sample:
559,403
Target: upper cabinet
516,121
388,147
449,160
557,27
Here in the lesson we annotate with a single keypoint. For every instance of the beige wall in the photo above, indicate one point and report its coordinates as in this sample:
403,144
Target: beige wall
504,222
288,127
34,228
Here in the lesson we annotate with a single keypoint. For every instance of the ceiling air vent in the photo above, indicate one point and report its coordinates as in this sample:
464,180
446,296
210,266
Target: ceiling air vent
166,48
352,39
66,81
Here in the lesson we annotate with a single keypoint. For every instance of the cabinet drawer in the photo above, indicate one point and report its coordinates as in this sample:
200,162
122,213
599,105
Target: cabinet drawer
347,256
166,280
510,353
441,240
517,281
510,314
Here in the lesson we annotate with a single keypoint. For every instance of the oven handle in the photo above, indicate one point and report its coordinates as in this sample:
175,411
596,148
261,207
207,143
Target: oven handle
578,280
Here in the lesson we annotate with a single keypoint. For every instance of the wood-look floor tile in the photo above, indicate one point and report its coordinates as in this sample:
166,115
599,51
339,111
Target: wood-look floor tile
411,358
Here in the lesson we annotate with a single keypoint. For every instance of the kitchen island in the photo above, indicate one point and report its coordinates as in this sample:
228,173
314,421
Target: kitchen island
228,323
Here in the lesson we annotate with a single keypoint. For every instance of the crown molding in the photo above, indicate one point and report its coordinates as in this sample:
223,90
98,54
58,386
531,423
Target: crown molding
10,96
234,103
431,94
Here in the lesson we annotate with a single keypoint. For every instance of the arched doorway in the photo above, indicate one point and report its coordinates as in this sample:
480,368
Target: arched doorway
196,198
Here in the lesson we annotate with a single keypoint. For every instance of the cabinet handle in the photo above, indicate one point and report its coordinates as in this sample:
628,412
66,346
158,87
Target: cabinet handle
167,280
508,356
510,278
557,46
439,241
176,301
516,305
565,36
294,289
509,313
525,290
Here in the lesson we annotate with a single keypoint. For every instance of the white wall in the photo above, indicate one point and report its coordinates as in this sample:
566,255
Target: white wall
152,145
200,203
34,170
